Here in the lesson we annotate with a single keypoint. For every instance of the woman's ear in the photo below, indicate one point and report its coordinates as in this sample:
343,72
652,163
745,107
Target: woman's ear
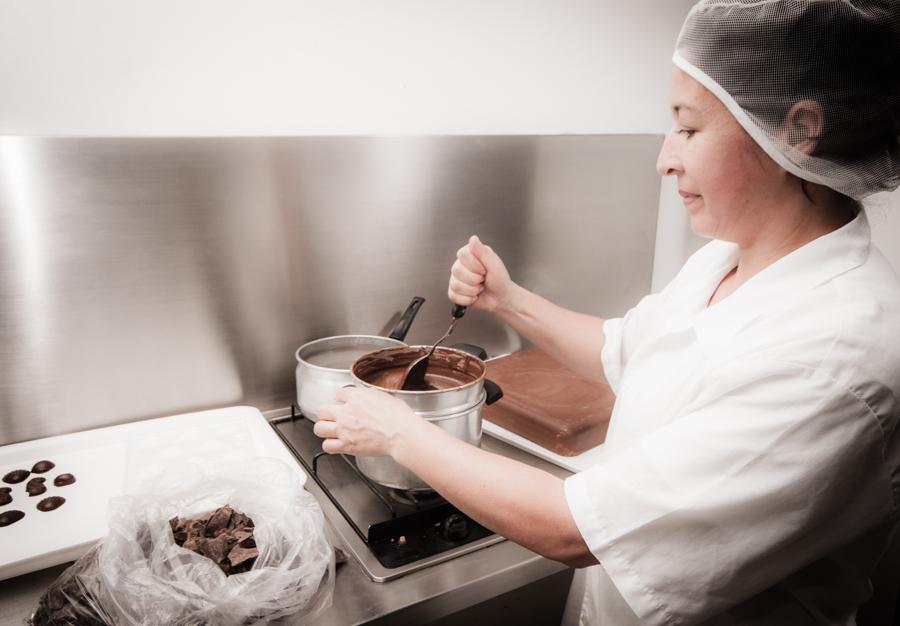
803,126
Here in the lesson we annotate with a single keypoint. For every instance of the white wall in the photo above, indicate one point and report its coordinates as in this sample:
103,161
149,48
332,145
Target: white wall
213,67
276,67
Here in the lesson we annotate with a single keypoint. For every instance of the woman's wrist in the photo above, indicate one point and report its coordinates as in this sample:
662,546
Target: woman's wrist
413,437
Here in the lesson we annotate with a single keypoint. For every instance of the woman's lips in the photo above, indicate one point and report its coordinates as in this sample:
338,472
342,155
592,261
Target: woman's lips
688,197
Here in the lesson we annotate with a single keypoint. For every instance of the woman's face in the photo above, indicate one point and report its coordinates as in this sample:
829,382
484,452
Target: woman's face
728,184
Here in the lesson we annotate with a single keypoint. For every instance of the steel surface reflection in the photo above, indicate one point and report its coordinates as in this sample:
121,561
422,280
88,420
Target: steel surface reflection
144,277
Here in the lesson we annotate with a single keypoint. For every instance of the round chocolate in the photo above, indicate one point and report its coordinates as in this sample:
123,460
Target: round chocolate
16,476
35,486
48,504
43,466
10,517
64,479
5,498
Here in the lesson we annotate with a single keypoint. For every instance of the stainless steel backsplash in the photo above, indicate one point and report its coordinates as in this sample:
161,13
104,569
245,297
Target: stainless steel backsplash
145,277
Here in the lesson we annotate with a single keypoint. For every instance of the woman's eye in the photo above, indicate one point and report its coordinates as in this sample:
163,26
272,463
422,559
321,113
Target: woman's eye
687,132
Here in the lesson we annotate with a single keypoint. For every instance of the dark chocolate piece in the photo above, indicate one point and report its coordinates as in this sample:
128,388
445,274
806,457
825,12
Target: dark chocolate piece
43,466
225,536
48,504
35,486
63,479
5,497
549,404
10,517
16,476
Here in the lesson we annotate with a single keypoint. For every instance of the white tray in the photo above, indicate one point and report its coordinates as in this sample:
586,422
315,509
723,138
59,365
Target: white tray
111,461
576,464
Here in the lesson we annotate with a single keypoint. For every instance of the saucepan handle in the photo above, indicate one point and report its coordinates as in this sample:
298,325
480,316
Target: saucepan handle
406,320
492,391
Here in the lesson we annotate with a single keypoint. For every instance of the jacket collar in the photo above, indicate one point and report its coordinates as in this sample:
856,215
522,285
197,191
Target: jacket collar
807,267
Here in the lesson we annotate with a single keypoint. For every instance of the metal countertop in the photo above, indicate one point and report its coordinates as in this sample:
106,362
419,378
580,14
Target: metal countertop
419,597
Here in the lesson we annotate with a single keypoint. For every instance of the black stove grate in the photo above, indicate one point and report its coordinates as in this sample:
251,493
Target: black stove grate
414,528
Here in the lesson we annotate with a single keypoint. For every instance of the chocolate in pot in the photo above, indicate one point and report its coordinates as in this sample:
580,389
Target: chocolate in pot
446,370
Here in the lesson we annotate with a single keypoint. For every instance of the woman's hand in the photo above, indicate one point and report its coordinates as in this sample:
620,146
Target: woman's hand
366,422
479,279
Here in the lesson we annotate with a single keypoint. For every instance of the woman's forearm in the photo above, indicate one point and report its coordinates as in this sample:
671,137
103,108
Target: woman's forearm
575,339
518,501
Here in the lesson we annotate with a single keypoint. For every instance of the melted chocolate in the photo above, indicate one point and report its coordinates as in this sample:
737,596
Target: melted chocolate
548,404
35,486
48,504
64,479
447,368
42,466
5,498
10,517
16,476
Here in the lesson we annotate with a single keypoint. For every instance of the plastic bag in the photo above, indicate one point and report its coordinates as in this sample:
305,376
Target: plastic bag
138,575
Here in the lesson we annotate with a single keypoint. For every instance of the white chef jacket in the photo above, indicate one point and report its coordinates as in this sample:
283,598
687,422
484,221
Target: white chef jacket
751,468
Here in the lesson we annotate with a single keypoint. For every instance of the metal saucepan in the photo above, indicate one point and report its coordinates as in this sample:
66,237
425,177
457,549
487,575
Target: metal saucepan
323,365
455,404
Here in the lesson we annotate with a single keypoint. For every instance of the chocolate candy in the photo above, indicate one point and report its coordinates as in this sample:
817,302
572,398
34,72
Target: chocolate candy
5,497
48,504
43,466
63,479
16,476
10,517
35,486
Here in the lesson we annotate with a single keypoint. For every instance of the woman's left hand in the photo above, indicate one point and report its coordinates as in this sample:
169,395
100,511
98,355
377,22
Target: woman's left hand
366,422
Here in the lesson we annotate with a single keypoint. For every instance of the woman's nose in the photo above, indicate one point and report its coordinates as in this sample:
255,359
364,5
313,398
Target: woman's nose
669,163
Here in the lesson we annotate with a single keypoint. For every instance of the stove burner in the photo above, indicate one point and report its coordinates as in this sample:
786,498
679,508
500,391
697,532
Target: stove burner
398,527
417,499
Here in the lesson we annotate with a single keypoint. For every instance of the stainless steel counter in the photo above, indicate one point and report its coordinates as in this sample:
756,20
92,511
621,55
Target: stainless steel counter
503,581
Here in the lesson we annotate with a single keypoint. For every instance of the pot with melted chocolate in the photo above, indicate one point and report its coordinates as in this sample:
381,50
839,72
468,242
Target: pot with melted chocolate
452,399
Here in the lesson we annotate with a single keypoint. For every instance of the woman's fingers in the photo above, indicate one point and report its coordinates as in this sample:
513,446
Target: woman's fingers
465,275
333,446
325,428
465,256
463,289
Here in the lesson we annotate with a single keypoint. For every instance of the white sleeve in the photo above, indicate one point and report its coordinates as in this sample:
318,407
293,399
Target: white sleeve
773,467
622,335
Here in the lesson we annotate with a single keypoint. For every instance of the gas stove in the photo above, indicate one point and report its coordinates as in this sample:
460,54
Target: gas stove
390,533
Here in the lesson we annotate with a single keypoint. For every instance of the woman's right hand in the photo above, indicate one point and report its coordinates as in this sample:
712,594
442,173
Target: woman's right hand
479,279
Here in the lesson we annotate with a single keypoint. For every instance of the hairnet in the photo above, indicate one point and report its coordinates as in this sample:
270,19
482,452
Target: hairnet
760,57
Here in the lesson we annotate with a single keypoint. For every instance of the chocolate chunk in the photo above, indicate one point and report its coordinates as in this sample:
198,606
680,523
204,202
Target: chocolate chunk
5,498
5,489
48,504
35,486
10,517
225,536
218,521
43,466
63,479
16,476
239,555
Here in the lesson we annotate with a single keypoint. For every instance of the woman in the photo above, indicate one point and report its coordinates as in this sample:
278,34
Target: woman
752,473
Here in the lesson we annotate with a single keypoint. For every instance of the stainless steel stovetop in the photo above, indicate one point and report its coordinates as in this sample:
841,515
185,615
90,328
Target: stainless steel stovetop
389,533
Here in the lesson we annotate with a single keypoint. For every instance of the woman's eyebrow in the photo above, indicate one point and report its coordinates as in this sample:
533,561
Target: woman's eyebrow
684,107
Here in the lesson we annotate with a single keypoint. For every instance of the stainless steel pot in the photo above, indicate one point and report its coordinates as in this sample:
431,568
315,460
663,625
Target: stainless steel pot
456,409
323,365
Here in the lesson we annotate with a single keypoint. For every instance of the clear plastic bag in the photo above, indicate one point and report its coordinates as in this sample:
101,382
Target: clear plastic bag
138,575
